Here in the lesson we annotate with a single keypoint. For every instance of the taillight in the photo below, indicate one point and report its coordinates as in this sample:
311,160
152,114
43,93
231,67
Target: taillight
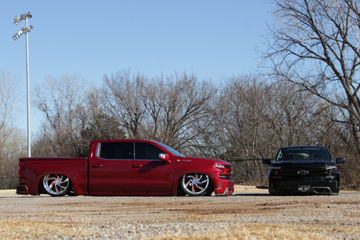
21,166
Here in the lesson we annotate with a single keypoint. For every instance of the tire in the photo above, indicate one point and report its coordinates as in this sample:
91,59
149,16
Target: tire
196,184
180,192
273,190
336,188
56,185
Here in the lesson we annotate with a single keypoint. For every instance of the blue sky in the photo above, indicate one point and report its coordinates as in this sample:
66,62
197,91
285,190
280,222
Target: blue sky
213,39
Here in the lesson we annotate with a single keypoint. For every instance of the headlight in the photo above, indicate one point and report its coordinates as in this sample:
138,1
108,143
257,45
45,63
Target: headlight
330,167
217,165
275,168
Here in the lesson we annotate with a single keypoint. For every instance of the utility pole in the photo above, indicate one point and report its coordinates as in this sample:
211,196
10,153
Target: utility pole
26,30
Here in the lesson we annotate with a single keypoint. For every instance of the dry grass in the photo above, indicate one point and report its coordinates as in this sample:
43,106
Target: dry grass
253,231
248,189
321,217
7,192
41,230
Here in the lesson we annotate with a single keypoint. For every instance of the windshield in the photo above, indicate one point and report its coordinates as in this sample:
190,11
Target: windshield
173,151
301,154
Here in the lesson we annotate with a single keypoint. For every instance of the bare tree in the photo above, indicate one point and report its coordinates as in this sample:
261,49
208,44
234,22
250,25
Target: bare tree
316,45
61,100
182,110
240,115
11,150
7,98
122,96
95,123
73,118
252,118
168,110
11,139
291,114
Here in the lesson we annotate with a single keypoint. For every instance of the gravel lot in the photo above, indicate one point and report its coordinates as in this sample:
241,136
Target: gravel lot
249,214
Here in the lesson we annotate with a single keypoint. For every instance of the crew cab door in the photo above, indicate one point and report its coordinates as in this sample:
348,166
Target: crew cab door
149,174
109,168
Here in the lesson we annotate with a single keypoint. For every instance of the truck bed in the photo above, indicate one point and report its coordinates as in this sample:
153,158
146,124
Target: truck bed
33,169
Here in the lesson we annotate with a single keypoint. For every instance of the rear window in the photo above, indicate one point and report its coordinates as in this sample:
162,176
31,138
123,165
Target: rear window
301,154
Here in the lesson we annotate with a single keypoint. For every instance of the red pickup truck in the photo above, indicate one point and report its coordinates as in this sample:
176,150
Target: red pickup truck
126,167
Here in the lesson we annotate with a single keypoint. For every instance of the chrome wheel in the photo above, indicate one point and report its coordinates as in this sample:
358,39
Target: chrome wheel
56,185
195,184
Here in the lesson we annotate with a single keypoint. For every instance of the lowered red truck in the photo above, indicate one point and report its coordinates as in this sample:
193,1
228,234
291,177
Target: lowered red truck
126,167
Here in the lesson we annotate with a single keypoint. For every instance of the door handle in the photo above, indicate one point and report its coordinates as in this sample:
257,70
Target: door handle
98,165
136,165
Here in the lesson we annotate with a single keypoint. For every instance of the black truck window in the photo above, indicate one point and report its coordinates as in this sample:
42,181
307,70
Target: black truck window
116,150
146,151
299,154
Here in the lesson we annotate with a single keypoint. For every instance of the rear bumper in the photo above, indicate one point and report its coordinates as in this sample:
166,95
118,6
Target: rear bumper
224,187
22,189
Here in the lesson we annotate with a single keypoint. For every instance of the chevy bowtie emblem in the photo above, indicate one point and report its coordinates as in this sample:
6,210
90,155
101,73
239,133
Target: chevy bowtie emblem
302,172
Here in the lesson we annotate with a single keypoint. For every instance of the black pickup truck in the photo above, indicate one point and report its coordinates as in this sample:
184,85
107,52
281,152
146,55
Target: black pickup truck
303,169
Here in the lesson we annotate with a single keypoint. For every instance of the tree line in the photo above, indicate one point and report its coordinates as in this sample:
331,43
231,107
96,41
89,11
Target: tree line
310,95
242,120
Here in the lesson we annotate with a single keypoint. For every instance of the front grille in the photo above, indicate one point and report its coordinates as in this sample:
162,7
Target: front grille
303,178
227,166
295,171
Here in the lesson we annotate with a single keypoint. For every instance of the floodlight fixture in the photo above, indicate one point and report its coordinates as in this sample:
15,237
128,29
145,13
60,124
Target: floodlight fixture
21,32
18,35
22,17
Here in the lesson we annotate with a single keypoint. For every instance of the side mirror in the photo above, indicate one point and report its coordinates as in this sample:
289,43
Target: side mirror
266,161
164,158
340,160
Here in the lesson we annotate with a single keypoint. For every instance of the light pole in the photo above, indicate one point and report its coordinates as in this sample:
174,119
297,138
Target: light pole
26,30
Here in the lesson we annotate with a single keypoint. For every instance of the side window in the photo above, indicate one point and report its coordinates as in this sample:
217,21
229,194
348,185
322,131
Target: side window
116,150
146,151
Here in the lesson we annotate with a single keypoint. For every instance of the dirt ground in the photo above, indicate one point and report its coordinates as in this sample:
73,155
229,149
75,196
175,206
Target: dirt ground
250,213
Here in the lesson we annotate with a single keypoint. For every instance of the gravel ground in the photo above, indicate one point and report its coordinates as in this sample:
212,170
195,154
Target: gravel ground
249,213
